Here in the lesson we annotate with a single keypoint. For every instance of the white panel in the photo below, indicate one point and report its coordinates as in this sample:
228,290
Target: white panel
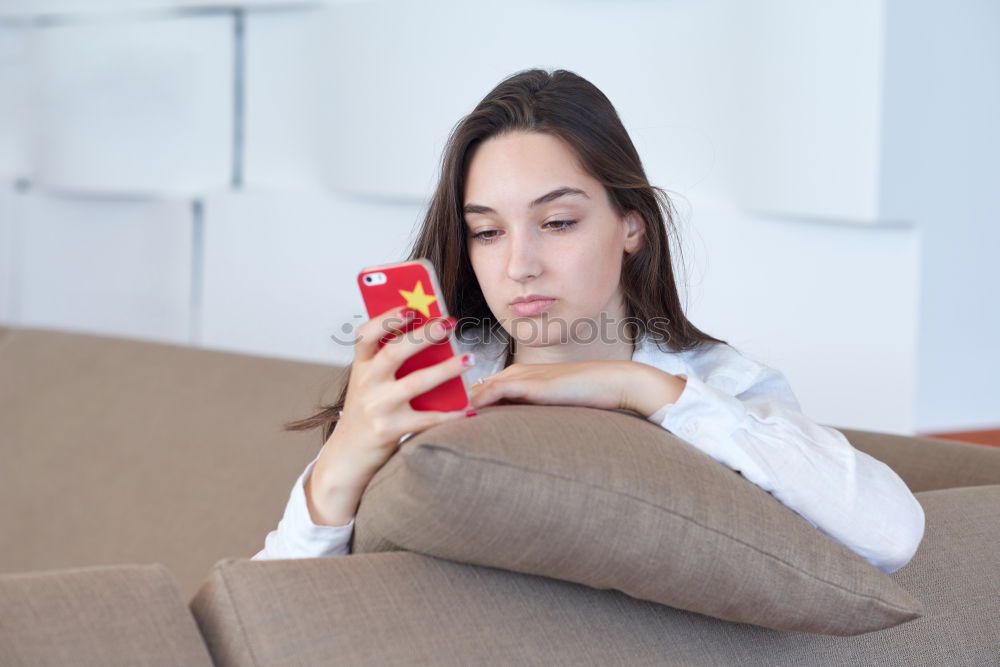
393,78
113,267
776,110
835,307
135,106
942,168
283,118
9,225
14,108
280,271
805,106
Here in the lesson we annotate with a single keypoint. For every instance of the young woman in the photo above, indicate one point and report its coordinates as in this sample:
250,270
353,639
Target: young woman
545,227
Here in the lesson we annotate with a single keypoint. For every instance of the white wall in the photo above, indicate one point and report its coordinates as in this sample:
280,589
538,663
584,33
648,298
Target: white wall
216,177
941,168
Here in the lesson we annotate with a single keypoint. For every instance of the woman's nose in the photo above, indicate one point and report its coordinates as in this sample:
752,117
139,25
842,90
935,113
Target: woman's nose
524,258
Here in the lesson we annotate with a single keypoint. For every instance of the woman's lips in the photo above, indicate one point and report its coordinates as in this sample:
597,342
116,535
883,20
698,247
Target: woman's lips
526,308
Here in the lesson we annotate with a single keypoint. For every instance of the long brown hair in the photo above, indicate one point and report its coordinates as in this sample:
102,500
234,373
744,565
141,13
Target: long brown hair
569,107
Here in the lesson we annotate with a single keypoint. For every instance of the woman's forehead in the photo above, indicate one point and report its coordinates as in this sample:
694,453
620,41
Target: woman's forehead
519,167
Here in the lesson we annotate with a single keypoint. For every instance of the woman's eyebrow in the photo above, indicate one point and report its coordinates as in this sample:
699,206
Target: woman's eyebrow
544,199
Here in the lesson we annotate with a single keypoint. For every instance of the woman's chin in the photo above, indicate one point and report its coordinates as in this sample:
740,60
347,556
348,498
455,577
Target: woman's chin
535,334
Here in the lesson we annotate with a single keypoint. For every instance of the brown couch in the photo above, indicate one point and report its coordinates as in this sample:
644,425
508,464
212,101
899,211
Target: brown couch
138,478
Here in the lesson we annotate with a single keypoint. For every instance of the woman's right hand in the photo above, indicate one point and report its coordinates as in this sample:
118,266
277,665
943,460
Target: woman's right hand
377,411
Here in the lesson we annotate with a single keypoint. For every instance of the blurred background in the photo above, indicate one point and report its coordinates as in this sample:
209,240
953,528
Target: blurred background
215,174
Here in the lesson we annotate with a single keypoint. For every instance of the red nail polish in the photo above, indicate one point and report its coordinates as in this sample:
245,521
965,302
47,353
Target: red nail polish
471,412
448,322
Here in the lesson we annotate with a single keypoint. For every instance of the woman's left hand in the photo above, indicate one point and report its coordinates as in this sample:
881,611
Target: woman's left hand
610,384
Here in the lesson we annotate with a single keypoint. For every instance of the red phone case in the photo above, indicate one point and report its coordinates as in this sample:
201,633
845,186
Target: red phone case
415,284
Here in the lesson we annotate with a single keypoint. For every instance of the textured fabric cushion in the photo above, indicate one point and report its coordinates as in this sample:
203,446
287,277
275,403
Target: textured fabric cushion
610,500
104,615
403,608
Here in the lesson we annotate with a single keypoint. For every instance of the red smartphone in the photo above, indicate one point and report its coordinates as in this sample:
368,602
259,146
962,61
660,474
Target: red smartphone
415,284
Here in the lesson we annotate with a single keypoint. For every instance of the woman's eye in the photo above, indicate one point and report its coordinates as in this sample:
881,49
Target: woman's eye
482,238
566,224
485,237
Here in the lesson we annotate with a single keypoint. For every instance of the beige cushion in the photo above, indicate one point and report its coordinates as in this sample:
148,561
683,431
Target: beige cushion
613,501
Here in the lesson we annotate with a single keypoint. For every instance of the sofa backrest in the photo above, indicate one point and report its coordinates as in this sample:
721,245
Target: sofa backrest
125,451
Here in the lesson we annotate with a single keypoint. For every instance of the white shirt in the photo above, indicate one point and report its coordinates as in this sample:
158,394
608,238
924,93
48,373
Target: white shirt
742,414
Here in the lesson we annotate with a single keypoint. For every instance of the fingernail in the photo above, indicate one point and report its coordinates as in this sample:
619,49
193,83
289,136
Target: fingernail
468,359
448,323
471,412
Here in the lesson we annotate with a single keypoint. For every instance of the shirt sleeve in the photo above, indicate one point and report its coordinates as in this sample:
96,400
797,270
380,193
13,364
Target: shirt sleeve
756,428
298,537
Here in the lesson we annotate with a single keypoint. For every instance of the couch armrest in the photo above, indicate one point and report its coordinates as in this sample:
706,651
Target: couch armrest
926,464
124,614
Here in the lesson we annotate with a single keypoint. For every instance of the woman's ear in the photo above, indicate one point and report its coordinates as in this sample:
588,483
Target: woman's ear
635,230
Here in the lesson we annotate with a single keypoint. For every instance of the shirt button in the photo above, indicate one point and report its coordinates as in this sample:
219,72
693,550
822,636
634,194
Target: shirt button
690,428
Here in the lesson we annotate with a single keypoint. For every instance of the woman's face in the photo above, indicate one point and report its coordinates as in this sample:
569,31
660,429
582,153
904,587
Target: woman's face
538,224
